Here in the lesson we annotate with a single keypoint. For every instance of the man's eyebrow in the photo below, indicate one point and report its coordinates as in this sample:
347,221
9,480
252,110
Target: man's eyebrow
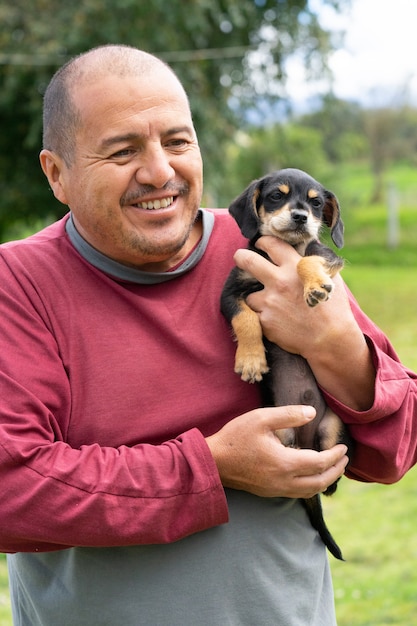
108,142
179,130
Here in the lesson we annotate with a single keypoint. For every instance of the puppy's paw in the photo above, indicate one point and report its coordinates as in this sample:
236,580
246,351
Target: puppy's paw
251,367
316,293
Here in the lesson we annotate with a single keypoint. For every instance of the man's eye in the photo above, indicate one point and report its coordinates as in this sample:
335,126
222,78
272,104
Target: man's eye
176,143
122,153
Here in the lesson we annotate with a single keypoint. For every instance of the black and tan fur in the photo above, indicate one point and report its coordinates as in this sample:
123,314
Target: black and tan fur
291,205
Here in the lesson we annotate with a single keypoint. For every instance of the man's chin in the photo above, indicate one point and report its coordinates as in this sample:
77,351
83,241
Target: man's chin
163,253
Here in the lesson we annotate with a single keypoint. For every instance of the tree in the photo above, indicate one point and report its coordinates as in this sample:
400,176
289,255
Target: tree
229,54
261,150
380,135
391,135
340,123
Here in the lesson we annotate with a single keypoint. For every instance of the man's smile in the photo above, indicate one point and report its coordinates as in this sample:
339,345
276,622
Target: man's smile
155,204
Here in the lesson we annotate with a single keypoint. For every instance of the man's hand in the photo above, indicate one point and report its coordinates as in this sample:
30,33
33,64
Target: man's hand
251,458
327,335
285,317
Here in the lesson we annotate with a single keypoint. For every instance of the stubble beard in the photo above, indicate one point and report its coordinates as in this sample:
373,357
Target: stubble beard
151,249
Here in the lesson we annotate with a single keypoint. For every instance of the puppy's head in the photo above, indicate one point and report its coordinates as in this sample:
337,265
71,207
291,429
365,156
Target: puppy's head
288,204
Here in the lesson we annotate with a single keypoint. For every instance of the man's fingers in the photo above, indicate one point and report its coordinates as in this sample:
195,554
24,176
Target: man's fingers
261,268
319,463
255,264
315,478
275,418
277,249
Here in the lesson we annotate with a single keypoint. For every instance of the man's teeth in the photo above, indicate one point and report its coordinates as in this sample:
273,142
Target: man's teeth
157,204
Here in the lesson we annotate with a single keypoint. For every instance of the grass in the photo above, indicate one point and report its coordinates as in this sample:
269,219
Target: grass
5,612
374,524
383,278
389,297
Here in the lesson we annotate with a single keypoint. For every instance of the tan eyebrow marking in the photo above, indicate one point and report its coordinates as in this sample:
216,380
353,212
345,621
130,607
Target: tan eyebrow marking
284,188
312,193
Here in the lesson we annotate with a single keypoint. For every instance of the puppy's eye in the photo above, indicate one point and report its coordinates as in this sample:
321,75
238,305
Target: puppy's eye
316,203
276,195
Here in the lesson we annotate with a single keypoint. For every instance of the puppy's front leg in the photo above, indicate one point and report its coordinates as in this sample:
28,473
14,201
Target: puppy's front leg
318,285
250,359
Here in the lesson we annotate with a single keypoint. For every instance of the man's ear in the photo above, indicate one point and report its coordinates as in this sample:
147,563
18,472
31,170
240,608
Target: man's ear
52,166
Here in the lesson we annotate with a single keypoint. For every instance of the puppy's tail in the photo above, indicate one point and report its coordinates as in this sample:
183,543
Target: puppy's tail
315,514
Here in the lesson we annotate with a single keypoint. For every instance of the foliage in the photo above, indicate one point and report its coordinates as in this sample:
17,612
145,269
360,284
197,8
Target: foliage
340,125
224,51
261,150
367,240
391,135
325,142
383,136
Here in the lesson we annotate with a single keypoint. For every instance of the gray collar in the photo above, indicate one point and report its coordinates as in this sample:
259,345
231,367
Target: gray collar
130,274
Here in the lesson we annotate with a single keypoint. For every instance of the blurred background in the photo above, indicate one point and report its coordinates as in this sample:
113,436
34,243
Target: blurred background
329,86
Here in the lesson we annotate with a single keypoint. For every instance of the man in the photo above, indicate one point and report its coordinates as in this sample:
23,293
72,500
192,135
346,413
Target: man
141,482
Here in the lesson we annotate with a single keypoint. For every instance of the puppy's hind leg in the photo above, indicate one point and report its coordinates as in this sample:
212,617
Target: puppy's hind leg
250,359
330,432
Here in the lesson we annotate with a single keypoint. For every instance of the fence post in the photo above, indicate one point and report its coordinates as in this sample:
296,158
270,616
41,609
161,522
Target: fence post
392,223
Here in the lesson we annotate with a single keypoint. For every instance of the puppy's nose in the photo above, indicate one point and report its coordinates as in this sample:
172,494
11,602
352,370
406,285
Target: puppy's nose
299,217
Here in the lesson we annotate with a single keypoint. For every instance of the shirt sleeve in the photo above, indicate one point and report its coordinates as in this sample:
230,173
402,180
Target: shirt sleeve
385,435
55,496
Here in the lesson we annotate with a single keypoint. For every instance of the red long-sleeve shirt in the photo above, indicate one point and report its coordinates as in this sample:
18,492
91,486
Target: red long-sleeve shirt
107,389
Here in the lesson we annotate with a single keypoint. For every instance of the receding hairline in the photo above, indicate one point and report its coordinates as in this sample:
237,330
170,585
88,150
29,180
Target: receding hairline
61,117
119,60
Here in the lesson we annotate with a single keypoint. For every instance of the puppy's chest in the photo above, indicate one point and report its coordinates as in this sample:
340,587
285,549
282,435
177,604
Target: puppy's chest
249,283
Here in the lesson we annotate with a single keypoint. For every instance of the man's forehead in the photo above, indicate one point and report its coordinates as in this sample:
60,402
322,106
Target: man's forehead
119,98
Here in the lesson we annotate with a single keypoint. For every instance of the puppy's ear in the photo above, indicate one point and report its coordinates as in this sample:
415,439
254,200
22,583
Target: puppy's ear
332,219
244,210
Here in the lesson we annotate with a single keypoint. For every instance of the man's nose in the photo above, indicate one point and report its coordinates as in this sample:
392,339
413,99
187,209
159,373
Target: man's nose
155,167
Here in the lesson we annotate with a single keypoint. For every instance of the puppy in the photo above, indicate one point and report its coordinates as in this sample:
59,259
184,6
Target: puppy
292,206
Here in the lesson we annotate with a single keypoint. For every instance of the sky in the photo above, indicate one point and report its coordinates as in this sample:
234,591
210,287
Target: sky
377,63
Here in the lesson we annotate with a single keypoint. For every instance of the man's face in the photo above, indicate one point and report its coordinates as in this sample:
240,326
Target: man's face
135,183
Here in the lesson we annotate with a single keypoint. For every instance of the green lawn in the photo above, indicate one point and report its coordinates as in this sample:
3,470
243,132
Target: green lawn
388,295
375,525
5,613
